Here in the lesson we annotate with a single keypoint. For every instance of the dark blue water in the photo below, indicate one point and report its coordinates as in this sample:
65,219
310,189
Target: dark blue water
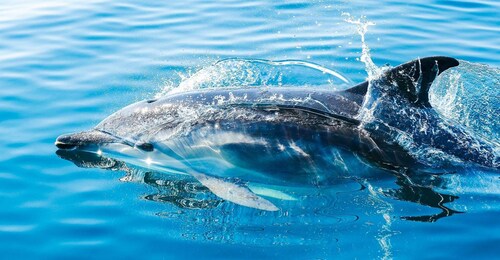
64,66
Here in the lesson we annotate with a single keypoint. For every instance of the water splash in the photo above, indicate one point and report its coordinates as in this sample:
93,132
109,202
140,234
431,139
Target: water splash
385,209
372,96
469,94
260,73
362,28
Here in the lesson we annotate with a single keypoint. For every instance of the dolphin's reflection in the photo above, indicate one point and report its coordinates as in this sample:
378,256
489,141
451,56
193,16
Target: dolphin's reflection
185,193
424,195
180,193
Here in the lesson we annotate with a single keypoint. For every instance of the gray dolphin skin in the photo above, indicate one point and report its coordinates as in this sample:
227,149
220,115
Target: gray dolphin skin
221,135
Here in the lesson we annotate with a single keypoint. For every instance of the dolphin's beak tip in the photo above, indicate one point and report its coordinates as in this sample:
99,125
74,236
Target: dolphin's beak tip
64,142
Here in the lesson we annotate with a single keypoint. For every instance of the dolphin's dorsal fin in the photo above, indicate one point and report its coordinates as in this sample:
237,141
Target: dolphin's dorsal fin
413,78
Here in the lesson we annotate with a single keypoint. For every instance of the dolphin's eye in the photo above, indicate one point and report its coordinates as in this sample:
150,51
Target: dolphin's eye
151,101
146,147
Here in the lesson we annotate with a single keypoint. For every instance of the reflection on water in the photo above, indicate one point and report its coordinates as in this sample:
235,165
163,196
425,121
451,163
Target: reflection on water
186,193
181,193
322,210
426,196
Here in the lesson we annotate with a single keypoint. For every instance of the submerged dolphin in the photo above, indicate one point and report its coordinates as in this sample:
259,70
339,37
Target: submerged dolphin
221,135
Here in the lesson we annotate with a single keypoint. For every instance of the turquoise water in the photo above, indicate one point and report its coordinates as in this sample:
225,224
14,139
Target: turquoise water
64,66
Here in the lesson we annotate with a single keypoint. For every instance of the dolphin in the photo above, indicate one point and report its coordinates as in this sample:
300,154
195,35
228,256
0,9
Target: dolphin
288,134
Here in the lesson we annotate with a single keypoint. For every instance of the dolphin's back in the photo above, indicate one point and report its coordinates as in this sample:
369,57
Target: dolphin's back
340,103
142,120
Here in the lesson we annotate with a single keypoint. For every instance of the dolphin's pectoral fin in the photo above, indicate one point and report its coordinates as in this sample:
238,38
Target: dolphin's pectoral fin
413,78
235,193
270,192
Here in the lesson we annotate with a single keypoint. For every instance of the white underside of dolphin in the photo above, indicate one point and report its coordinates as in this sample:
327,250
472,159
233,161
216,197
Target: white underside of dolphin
247,194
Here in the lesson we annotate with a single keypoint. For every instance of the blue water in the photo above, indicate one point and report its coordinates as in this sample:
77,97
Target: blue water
66,65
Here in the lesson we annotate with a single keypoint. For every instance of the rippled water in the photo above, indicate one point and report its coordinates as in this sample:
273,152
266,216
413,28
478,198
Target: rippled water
64,66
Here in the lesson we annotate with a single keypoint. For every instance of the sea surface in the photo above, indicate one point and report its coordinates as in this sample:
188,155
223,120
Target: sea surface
66,65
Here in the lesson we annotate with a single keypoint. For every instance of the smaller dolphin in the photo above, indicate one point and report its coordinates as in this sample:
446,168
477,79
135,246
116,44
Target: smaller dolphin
223,136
